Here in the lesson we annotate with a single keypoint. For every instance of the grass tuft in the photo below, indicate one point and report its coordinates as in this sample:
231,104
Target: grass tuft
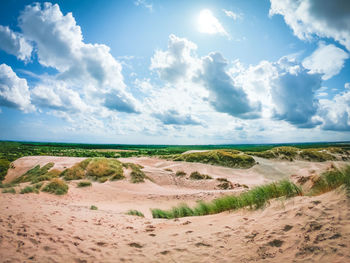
254,198
180,173
56,186
9,190
34,174
84,184
135,213
137,175
198,176
93,207
28,189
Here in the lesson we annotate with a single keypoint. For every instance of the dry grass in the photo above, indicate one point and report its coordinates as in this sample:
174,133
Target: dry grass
219,157
56,186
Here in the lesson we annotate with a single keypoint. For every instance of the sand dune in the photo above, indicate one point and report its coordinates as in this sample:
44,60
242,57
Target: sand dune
47,228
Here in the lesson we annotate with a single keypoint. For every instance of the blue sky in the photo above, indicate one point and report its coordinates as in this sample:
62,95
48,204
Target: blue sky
175,72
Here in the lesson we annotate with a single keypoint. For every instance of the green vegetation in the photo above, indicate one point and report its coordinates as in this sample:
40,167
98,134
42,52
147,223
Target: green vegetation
180,173
84,184
137,175
135,213
9,190
218,157
10,151
316,155
254,198
35,174
103,168
56,186
293,153
93,207
198,176
330,180
4,165
28,189
98,169
259,196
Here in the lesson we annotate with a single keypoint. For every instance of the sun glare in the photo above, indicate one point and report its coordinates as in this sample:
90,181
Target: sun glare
208,23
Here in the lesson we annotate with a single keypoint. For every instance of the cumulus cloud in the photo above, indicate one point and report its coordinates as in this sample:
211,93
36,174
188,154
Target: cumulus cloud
225,96
323,18
85,68
285,89
177,62
173,117
14,91
293,93
55,95
15,44
327,60
336,112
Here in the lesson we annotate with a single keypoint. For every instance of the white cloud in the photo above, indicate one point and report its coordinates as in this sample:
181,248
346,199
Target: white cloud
293,94
178,62
336,112
232,14
89,69
326,59
55,95
145,4
285,89
323,18
173,117
224,95
14,91
209,24
15,44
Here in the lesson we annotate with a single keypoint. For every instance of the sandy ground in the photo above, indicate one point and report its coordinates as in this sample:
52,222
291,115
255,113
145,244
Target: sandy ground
47,228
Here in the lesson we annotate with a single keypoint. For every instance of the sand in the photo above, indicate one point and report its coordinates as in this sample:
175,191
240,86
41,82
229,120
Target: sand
47,228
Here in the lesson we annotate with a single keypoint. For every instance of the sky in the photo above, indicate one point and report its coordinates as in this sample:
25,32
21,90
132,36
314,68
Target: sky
175,72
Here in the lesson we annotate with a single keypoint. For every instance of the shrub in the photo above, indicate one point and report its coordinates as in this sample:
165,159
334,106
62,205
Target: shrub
255,198
198,176
9,190
93,207
219,157
135,213
84,184
56,186
180,173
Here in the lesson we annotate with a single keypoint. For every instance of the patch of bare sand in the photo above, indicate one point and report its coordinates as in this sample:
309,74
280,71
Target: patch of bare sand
46,228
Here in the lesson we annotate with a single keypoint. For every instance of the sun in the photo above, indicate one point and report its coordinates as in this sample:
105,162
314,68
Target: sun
208,23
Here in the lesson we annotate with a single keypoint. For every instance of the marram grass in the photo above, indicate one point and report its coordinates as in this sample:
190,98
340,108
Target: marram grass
254,198
259,196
